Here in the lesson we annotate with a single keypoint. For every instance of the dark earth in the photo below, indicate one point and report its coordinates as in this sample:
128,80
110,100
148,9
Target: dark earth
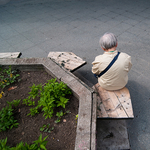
62,137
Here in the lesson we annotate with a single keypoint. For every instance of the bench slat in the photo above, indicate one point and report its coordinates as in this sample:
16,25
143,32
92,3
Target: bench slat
114,104
68,60
10,55
118,106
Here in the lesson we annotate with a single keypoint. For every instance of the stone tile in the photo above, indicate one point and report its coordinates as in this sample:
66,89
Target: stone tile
4,44
136,31
33,52
16,39
23,45
21,27
9,34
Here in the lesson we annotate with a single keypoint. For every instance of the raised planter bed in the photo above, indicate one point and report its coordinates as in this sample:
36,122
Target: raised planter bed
86,126
60,135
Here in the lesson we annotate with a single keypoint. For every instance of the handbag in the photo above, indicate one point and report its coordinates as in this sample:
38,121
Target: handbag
108,67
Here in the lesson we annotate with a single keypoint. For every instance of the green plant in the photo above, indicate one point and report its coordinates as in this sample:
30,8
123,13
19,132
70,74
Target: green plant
7,120
63,101
52,95
35,91
76,117
3,145
33,111
39,144
46,128
7,77
14,102
60,114
28,102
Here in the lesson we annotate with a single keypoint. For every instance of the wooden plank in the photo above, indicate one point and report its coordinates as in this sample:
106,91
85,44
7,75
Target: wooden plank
10,55
124,98
118,107
106,104
114,104
68,60
103,94
114,99
109,107
112,114
127,105
125,92
101,112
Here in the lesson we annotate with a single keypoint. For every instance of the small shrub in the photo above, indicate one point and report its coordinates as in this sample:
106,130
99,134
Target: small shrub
52,95
46,128
7,120
7,77
39,144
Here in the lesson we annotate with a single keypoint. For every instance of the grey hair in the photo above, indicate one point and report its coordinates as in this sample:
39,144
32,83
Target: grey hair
108,40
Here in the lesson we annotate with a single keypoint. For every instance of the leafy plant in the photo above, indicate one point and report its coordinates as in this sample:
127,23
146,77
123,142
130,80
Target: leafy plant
52,95
28,102
35,91
14,102
76,117
46,128
39,144
7,77
7,120
59,115
33,111
3,145
63,101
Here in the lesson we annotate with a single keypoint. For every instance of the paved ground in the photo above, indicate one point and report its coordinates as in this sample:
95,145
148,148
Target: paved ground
36,27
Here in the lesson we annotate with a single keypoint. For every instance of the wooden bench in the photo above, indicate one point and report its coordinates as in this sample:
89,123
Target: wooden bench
68,60
113,104
10,55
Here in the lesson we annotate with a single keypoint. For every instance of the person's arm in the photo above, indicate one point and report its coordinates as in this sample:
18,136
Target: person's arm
128,64
95,68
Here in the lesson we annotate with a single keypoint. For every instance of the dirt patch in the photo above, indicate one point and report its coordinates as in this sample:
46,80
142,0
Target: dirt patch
64,133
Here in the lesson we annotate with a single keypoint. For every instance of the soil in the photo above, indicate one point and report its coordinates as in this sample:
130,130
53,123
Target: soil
64,133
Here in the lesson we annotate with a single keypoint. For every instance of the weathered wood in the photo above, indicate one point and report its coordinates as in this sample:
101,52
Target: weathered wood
113,104
67,59
10,55
118,106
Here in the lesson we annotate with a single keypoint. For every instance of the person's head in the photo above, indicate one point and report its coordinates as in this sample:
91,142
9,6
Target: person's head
108,41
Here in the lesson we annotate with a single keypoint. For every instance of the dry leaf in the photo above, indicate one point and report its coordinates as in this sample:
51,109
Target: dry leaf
12,88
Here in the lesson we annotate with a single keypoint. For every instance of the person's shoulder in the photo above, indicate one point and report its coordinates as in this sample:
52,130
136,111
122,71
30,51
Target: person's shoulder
99,57
125,54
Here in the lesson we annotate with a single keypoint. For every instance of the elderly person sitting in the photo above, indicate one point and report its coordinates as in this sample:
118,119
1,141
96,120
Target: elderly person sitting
116,77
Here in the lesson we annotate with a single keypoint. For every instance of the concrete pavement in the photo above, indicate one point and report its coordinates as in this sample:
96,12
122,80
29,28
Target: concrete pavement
36,27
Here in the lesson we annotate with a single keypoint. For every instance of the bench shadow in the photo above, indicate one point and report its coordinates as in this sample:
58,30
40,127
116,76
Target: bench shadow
139,126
